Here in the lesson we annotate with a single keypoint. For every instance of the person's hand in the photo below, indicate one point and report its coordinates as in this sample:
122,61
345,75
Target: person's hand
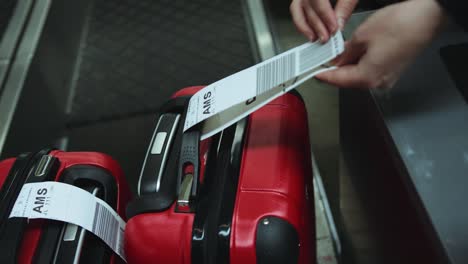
316,19
385,44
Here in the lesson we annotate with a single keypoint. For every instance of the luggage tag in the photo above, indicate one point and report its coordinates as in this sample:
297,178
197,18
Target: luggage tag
224,119
250,89
68,203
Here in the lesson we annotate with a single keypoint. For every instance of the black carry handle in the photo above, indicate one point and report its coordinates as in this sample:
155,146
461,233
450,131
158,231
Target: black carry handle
158,186
158,153
184,185
158,173
54,245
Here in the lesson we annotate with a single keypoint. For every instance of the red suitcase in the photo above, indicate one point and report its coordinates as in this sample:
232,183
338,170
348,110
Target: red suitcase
43,241
247,196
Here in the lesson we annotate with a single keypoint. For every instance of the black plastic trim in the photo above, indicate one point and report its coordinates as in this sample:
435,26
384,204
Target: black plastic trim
229,194
150,203
153,168
167,193
189,155
277,242
12,184
212,224
48,242
12,229
69,251
202,234
100,177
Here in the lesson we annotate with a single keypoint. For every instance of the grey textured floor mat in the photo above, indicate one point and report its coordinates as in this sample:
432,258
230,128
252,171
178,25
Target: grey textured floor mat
135,54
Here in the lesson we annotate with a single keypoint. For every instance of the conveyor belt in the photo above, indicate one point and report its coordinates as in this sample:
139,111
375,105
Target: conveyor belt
102,68
135,54
6,11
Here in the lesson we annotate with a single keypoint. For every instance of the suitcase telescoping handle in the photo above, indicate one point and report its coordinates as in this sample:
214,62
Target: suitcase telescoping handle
188,179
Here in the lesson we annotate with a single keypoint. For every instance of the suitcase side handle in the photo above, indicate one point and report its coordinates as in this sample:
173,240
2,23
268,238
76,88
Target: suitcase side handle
158,173
157,154
150,198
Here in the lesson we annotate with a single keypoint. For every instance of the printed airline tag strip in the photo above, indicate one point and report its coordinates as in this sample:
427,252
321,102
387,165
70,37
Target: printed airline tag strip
232,98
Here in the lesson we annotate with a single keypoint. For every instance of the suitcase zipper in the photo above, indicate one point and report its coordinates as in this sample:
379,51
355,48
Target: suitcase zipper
20,174
13,229
211,229
12,186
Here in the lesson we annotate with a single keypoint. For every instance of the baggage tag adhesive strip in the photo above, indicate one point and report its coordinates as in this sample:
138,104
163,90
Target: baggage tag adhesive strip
230,99
68,203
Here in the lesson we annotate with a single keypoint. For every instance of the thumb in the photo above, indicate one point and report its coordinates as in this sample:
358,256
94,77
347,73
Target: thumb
351,55
343,10
350,73
349,76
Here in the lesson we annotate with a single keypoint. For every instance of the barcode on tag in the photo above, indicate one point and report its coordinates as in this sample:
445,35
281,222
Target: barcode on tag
276,72
242,89
105,225
120,242
314,56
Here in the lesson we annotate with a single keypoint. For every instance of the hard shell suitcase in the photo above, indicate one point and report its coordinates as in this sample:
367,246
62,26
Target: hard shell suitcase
242,196
47,241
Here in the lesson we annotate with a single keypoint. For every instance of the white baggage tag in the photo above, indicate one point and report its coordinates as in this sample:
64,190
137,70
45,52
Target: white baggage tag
220,121
67,203
282,72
